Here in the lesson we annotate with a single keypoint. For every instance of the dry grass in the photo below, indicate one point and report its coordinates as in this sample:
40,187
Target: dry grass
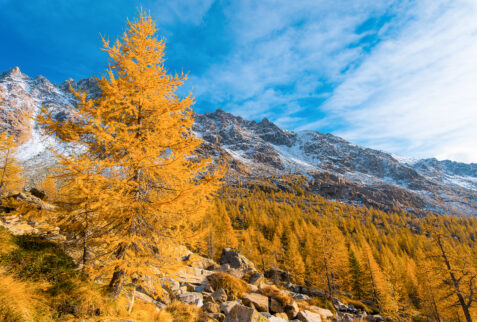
321,302
7,243
184,312
19,301
276,293
232,285
360,305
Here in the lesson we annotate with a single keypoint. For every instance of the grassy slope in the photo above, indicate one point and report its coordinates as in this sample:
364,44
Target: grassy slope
39,282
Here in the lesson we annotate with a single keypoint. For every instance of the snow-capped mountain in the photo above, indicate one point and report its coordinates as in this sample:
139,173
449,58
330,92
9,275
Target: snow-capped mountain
334,167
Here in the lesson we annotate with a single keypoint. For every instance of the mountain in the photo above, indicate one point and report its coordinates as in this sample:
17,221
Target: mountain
333,167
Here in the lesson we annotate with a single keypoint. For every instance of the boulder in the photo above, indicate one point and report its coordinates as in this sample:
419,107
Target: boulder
347,317
308,316
226,307
327,314
374,318
192,298
338,305
241,313
219,296
256,278
259,301
277,275
211,307
38,193
282,316
276,306
292,310
299,296
273,318
192,275
235,259
216,316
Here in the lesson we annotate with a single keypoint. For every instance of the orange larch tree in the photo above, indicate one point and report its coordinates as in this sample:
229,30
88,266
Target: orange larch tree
140,132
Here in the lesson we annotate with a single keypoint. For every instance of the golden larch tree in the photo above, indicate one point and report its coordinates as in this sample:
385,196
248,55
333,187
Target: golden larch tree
10,170
140,132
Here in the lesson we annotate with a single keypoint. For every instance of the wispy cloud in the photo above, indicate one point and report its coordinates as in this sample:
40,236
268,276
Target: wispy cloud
283,52
415,94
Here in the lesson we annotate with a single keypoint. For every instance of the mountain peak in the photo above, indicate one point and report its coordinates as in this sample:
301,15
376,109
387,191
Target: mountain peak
13,73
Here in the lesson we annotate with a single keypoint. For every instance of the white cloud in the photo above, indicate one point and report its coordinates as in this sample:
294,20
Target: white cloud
294,44
416,93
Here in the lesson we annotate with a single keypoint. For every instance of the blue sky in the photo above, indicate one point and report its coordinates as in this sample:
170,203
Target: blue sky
400,76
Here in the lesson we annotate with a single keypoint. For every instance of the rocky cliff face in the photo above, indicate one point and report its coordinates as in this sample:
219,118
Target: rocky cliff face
334,167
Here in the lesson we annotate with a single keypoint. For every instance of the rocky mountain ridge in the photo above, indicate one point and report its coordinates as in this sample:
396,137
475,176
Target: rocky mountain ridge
332,166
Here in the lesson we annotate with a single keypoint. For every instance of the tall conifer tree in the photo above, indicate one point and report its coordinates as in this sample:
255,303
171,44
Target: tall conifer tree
139,132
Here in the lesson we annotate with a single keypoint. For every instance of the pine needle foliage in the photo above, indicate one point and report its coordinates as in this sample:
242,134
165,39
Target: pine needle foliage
150,190
10,170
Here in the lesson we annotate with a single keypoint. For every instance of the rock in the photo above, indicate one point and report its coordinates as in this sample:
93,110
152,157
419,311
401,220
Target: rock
241,313
323,312
211,307
253,288
38,193
189,287
35,201
277,275
282,316
272,318
226,307
219,295
170,284
374,318
192,298
299,296
256,278
259,301
192,275
308,316
347,317
276,306
232,271
338,305
292,310
217,316
235,260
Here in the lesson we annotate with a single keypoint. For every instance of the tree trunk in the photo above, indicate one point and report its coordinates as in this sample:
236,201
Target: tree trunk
131,304
455,282
116,283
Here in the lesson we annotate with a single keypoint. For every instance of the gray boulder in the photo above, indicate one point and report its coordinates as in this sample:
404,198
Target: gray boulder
241,313
259,301
192,298
235,259
219,296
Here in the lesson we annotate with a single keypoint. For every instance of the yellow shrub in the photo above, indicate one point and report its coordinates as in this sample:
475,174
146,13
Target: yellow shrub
184,312
232,285
274,292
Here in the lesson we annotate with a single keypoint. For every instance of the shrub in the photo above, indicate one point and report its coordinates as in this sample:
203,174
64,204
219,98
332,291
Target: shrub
277,294
184,312
232,285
